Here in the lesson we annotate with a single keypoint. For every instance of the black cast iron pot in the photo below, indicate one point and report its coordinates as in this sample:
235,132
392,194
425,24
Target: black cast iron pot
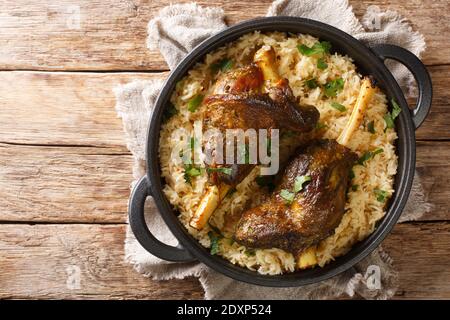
370,61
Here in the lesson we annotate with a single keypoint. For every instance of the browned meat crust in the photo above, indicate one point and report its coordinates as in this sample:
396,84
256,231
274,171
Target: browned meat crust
314,212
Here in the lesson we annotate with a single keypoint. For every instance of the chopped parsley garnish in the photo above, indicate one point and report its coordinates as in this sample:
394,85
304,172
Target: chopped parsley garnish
312,83
192,142
390,116
288,134
321,64
389,121
351,174
369,155
222,65
333,87
299,181
287,195
195,102
381,195
266,181
169,112
318,48
223,170
395,109
355,187
214,238
245,153
250,252
320,125
190,171
371,127
338,106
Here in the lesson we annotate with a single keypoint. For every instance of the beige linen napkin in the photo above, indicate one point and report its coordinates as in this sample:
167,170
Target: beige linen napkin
175,31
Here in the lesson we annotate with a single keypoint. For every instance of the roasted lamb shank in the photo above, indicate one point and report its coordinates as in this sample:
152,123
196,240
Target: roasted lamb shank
239,103
294,219
252,97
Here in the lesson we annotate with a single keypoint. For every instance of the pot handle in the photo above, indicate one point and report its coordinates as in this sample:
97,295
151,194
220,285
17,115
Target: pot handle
143,234
420,73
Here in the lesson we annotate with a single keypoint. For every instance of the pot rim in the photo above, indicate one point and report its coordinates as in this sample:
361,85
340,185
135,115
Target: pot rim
405,150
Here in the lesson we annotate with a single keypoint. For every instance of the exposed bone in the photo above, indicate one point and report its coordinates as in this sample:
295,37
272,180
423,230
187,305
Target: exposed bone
307,258
365,95
265,58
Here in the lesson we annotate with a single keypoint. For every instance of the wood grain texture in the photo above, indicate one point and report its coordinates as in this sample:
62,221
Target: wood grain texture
41,261
75,184
73,108
112,35
78,184
62,108
65,170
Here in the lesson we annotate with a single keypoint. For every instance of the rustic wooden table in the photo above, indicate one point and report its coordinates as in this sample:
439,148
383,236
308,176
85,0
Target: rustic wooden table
65,170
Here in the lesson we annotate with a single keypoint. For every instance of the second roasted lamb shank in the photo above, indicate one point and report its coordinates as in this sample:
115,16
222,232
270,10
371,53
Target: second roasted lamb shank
307,204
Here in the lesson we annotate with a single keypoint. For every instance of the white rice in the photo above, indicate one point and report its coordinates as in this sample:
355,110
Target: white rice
363,209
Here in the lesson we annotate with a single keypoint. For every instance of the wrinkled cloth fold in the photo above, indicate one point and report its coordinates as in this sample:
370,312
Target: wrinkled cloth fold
175,31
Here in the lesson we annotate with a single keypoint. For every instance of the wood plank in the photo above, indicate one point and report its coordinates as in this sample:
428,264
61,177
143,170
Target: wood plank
64,184
62,108
75,108
111,36
420,253
40,261
436,125
77,184
435,177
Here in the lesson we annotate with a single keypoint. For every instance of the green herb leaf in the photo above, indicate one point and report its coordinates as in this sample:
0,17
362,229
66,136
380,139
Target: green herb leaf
351,174
338,106
288,134
318,48
311,83
287,195
390,116
381,195
269,147
223,170
321,64
245,153
371,127
377,151
192,142
389,121
195,102
299,181
266,181
223,65
214,239
169,112
369,155
395,109
191,171
333,87
250,252
355,187
320,125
